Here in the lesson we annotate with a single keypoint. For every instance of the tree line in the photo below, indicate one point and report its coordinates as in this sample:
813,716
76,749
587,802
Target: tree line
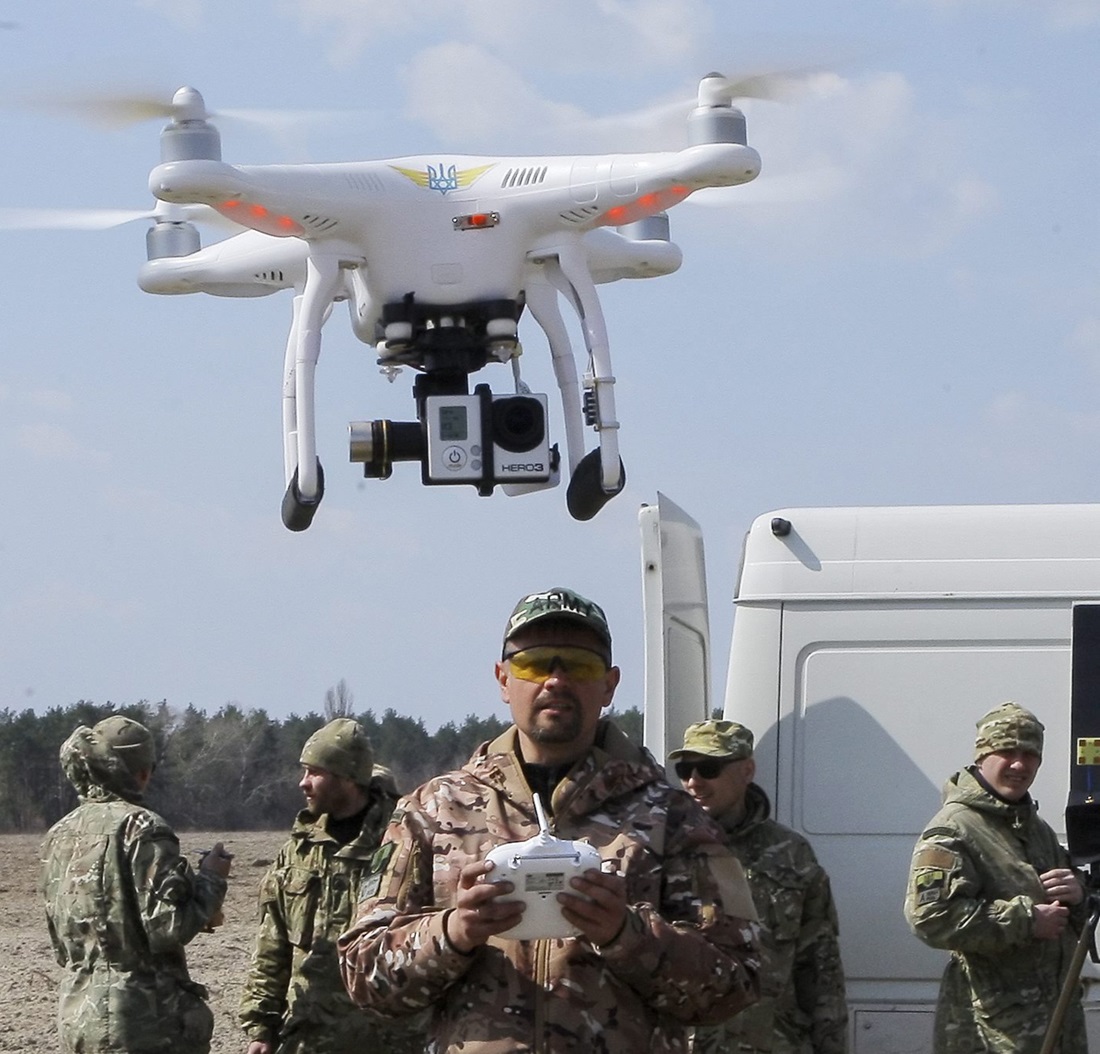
234,770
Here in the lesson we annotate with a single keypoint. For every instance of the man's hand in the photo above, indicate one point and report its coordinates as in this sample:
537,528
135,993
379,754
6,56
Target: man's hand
217,860
600,918
260,1046
1049,921
478,913
1063,886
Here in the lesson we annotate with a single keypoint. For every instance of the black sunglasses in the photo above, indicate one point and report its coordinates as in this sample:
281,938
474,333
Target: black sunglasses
708,768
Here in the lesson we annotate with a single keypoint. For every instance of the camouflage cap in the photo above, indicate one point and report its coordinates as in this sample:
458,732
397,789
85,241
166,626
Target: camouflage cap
716,739
130,741
561,605
1008,727
343,748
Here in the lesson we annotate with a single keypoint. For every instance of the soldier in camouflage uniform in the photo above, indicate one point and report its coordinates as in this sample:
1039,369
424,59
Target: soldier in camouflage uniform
121,903
294,1001
802,1008
667,938
990,883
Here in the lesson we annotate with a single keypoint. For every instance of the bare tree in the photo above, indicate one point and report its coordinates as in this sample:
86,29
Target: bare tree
339,701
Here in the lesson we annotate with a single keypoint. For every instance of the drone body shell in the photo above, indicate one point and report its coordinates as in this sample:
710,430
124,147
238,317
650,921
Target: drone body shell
401,219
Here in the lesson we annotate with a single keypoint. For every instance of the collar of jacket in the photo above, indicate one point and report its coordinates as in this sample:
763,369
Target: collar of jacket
966,789
613,765
309,829
757,809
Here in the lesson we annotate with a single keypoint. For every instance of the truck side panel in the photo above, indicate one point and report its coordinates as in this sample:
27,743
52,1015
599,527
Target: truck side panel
862,673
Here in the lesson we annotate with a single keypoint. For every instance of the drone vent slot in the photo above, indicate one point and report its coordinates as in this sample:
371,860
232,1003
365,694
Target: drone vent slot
364,181
580,215
270,276
318,223
524,177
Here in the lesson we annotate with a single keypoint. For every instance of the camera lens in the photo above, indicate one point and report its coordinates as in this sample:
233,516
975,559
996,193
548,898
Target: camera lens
518,423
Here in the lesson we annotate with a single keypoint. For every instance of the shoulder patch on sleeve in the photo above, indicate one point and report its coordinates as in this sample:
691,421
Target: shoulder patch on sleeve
929,886
935,856
372,882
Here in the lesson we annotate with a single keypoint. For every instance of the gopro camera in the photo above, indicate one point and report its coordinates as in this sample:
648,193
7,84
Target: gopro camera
481,436
482,439
540,868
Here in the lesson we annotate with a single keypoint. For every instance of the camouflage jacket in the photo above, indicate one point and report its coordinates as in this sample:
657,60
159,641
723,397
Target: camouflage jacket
121,903
972,885
687,953
802,1008
294,997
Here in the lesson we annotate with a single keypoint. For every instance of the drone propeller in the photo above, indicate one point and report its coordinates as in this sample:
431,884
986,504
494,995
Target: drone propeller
120,109
108,108
716,89
663,126
17,219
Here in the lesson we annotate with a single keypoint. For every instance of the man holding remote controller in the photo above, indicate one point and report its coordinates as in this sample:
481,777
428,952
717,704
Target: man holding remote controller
665,935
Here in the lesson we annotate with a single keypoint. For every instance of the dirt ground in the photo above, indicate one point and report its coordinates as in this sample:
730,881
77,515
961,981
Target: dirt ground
29,973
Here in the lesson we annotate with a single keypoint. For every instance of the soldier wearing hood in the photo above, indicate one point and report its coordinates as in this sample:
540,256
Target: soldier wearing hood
802,1008
665,929
990,883
121,903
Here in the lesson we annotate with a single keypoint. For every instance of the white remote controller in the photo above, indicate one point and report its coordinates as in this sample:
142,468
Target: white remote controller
540,868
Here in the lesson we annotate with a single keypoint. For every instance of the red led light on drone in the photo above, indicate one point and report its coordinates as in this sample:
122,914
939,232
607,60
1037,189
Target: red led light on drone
260,218
646,205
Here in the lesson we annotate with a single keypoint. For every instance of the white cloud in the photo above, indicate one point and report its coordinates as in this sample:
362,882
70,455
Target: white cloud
53,443
353,26
1059,14
1084,340
49,399
186,14
547,34
604,35
896,179
1071,14
496,108
58,604
1024,437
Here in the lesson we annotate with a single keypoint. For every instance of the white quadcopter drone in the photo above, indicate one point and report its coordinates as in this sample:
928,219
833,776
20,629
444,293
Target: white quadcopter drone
437,256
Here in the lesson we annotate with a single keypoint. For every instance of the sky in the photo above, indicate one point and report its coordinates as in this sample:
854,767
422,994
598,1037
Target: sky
903,309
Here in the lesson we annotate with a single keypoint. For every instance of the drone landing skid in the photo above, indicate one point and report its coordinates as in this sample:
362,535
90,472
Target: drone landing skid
298,513
585,496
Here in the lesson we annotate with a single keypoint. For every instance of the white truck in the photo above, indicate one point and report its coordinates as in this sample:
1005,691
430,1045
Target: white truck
866,643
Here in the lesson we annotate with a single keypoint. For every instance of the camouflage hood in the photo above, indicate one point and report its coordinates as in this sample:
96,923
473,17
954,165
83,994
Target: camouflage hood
964,788
96,770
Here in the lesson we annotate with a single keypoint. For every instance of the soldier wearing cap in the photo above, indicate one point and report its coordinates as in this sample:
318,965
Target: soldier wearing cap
666,925
121,903
802,1008
990,883
294,1000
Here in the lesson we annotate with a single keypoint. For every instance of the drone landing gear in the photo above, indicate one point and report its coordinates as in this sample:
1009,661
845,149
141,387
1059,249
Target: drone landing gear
298,513
585,496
